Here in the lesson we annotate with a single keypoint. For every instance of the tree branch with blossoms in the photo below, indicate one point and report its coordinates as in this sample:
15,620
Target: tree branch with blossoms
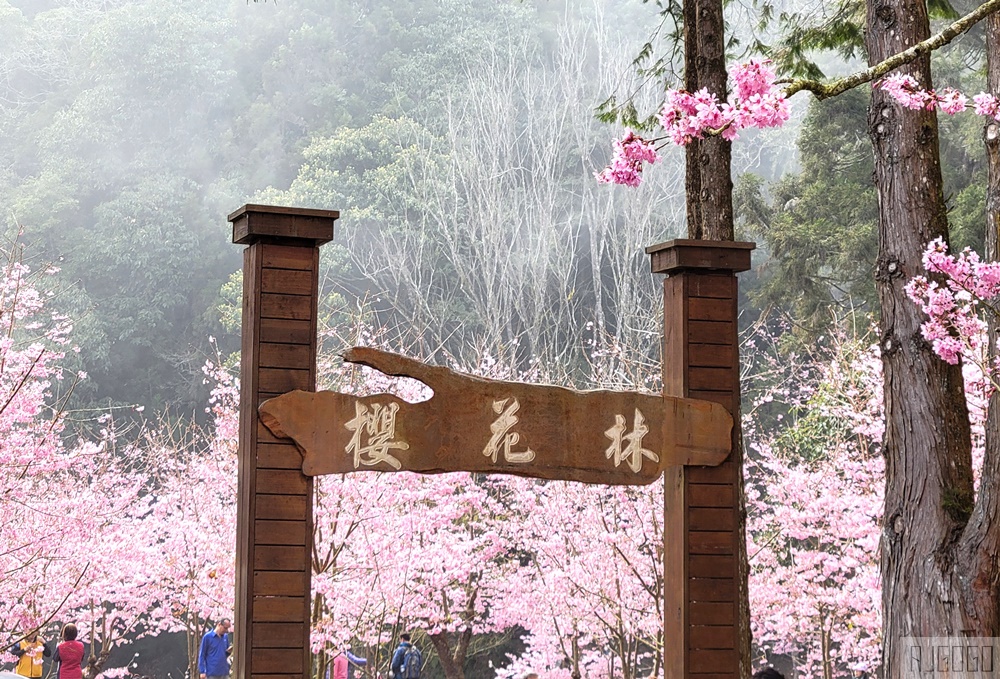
686,116
936,41
956,327
759,102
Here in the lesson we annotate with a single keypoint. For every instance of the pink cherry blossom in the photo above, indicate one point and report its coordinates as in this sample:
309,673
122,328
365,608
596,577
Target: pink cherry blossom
626,165
686,116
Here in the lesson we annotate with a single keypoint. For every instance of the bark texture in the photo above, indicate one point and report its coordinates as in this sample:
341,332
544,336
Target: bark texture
708,183
978,569
927,447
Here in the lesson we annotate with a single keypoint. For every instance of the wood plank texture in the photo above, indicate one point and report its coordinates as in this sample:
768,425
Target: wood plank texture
281,507
712,589
280,532
287,257
710,309
278,456
281,583
273,355
282,482
711,518
290,307
700,361
275,501
715,637
278,635
286,331
279,609
278,660
700,495
710,542
287,282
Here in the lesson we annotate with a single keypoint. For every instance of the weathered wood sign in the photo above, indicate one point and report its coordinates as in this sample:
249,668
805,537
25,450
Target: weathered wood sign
480,425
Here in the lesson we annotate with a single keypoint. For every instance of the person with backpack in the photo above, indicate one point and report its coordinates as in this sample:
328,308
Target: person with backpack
407,660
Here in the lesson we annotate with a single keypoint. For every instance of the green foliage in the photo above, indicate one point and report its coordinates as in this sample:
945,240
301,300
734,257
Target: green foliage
802,36
129,130
819,226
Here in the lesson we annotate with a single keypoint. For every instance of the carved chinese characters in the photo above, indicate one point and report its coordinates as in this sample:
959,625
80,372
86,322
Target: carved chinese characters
629,446
503,437
373,435
473,424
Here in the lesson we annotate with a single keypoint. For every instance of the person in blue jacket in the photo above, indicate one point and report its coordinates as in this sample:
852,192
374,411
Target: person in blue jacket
397,658
213,655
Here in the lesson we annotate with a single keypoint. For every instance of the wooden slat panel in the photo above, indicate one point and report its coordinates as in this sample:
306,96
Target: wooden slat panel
280,532
711,589
724,473
710,355
279,558
287,257
278,456
701,661
705,309
281,583
711,379
712,286
706,518
284,356
674,334
246,498
264,435
700,495
285,282
277,660
706,542
281,507
280,380
711,565
703,613
711,332
290,307
721,637
282,482
278,635
285,331
726,398
279,609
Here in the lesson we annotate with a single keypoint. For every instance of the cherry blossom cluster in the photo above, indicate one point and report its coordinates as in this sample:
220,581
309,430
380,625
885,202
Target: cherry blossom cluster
956,306
627,162
907,91
687,116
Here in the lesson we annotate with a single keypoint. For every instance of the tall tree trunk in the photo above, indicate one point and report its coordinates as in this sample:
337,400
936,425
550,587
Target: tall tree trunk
978,566
928,495
708,180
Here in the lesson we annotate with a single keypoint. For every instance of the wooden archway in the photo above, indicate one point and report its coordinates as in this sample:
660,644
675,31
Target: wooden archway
706,610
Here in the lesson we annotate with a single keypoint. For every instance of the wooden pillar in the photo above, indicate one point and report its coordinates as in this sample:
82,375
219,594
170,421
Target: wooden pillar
274,503
706,624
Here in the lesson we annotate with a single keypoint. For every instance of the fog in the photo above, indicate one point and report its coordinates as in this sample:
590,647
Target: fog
457,138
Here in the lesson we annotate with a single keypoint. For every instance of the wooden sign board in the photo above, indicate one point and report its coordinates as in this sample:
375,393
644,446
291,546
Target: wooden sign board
480,425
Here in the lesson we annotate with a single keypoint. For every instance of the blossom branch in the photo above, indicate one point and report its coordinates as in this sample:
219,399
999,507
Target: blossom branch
841,85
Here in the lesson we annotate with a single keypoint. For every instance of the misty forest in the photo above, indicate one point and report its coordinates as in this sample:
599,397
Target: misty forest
499,167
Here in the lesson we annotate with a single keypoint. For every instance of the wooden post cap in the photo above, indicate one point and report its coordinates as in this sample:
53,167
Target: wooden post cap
254,222
685,254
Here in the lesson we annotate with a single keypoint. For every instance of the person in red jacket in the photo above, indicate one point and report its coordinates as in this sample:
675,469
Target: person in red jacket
69,654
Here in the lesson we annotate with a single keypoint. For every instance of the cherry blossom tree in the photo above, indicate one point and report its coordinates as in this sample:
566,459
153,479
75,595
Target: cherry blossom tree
814,501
